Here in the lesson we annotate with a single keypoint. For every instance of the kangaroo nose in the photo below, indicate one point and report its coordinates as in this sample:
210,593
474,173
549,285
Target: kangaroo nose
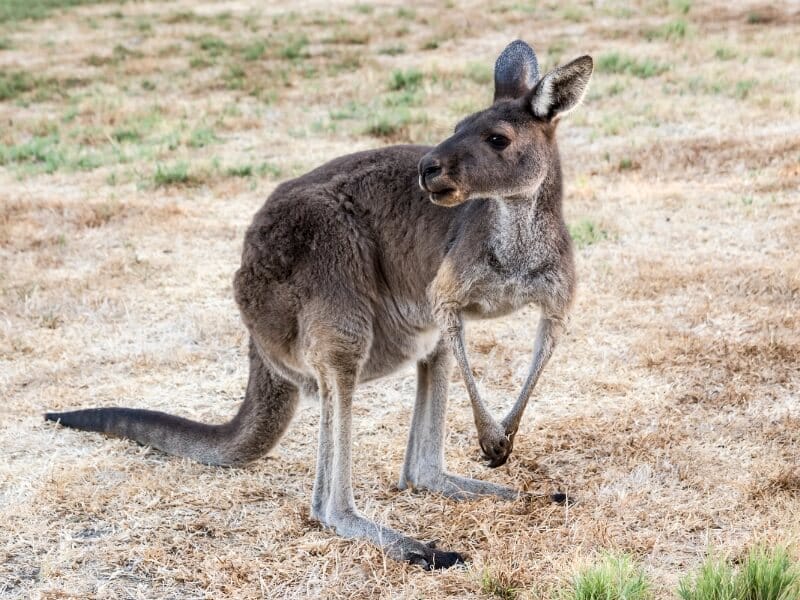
429,167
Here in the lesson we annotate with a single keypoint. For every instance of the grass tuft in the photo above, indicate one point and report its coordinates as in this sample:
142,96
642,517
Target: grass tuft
18,10
389,124
498,587
672,31
405,80
682,6
724,53
212,45
479,73
613,578
406,13
585,233
254,50
240,171
768,575
14,84
123,135
294,48
392,50
765,575
175,174
201,137
614,62
43,153
713,581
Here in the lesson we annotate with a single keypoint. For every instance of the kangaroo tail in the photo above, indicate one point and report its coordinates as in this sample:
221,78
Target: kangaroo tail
268,407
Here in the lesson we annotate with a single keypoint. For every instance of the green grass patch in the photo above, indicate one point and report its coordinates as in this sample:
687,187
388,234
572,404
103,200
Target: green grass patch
614,62
764,575
254,50
40,154
389,124
612,578
409,97
5,44
364,9
14,84
201,137
743,88
392,50
479,73
409,79
24,86
724,53
269,170
18,10
498,586
713,581
351,110
768,575
681,6
173,175
183,16
249,170
199,62
672,31
124,135
351,35
586,232
240,171
294,47
49,153
235,77
758,18
346,63
406,13
143,25
573,14
212,45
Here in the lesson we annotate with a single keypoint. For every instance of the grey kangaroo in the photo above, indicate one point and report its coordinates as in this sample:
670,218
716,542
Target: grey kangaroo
374,260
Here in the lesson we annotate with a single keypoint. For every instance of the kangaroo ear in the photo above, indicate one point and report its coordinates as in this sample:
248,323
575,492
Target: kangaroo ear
516,71
562,89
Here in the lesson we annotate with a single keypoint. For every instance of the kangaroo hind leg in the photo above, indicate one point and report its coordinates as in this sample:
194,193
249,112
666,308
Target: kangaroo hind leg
424,462
337,357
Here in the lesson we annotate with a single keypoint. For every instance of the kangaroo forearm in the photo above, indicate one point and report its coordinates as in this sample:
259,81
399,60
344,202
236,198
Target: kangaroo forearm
547,335
453,329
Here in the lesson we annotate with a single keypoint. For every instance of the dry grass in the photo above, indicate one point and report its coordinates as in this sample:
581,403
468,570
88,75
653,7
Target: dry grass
671,412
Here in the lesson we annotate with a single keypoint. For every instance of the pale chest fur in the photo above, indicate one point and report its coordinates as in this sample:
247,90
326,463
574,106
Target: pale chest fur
520,263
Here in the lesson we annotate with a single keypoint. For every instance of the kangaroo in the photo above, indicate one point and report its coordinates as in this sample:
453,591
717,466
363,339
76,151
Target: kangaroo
374,260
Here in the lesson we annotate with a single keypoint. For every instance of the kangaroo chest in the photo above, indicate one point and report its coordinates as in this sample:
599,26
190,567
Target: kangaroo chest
502,288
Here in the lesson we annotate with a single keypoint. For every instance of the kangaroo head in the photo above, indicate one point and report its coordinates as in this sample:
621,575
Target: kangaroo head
506,150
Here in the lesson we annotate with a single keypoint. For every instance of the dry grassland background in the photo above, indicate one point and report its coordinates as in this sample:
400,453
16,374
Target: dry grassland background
136,142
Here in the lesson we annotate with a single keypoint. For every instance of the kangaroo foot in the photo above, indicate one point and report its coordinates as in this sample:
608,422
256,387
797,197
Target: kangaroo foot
460,488
350,524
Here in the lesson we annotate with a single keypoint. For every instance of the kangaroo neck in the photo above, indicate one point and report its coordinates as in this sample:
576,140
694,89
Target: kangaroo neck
520,220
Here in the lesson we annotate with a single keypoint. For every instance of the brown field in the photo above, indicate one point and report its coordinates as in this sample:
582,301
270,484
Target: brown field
136,141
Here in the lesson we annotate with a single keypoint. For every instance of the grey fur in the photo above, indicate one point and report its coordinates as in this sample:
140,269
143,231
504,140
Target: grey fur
351,271
516,71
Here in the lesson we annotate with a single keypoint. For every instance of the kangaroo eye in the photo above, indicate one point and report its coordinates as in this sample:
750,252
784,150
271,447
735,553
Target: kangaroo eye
498,142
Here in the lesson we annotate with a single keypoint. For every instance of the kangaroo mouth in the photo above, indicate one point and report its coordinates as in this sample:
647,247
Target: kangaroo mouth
446,197
440,193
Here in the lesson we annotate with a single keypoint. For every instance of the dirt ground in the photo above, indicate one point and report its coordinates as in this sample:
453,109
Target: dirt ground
136,142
